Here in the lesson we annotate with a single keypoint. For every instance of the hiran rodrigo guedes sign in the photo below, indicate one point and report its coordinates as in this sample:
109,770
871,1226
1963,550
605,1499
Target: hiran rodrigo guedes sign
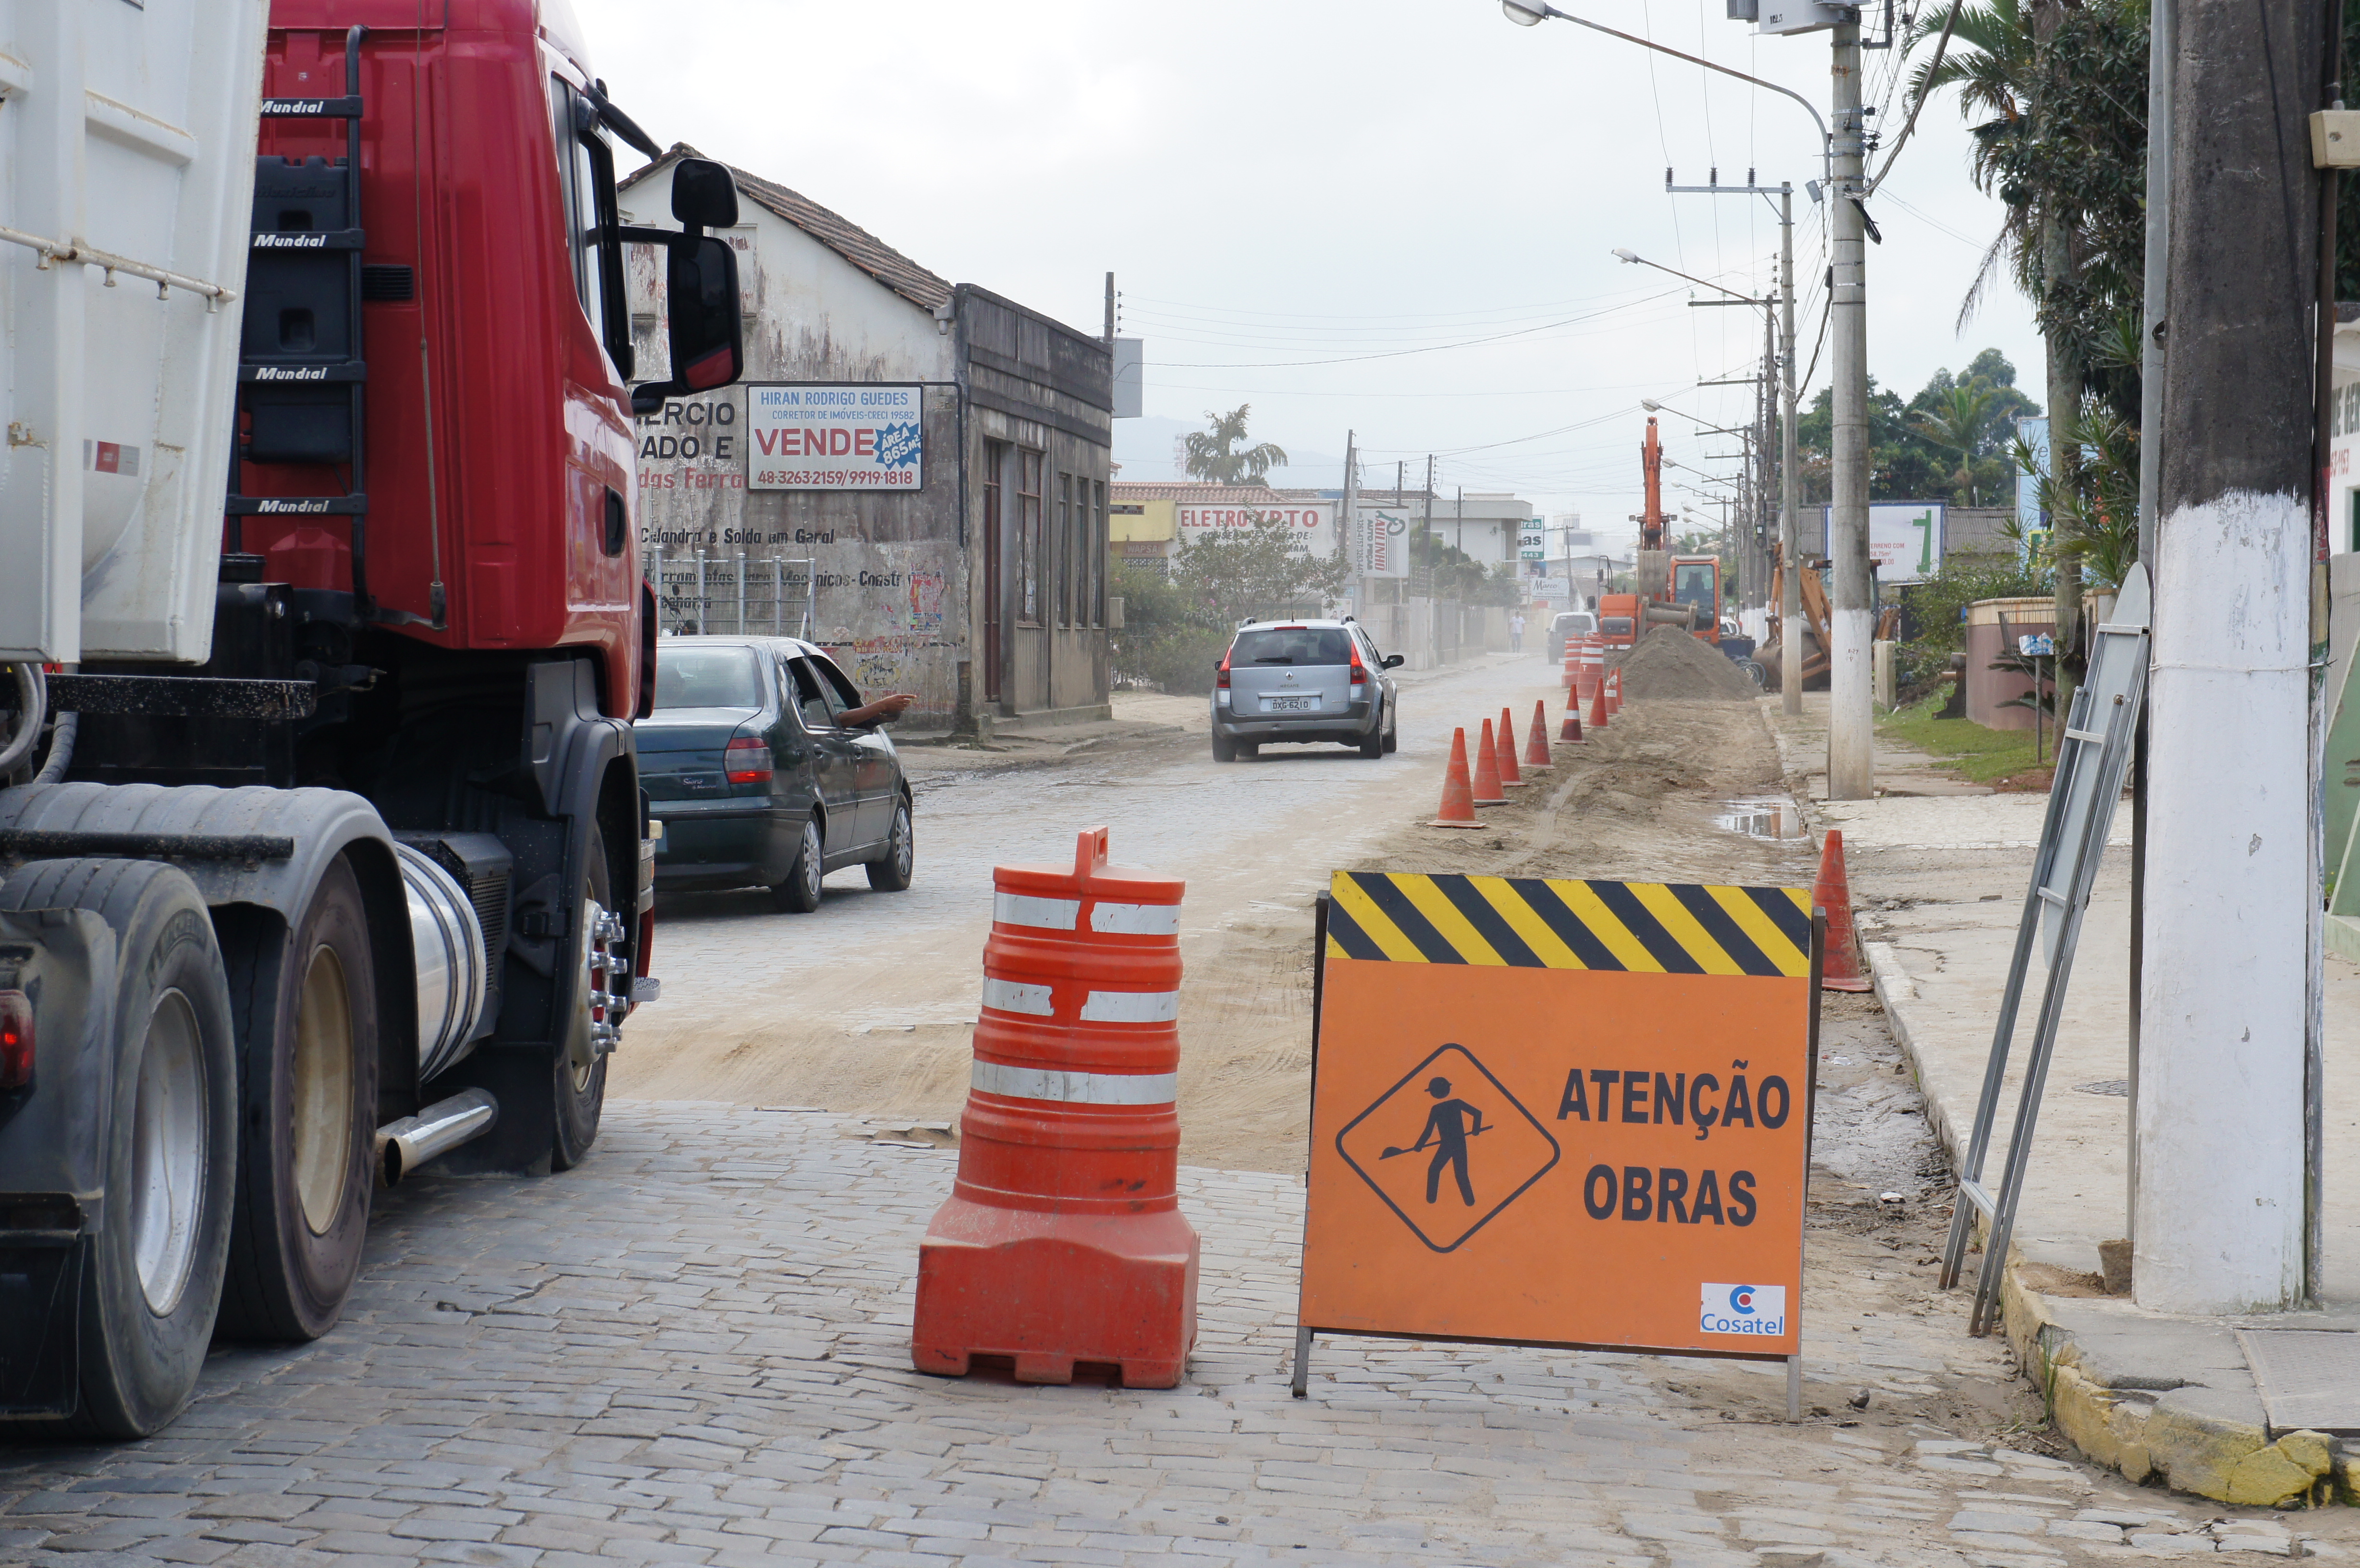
834,435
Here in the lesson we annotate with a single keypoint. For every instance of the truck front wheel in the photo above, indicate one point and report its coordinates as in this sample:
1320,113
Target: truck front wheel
305,1001
152,1282
581,1057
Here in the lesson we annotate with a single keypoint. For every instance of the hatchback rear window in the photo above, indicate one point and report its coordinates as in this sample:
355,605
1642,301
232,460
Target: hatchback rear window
1292,645
708,678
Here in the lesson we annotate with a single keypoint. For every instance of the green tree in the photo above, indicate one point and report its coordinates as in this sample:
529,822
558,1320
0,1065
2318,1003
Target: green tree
1958,422
1221,454
1906,462
2056,92
1261,570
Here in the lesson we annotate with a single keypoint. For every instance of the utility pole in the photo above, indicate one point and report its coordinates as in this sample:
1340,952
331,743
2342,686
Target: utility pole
1110,310
1790,594
1851,723
2223,1137
1433,601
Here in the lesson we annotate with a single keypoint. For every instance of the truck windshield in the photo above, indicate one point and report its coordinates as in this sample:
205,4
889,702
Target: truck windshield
708,678
1292,644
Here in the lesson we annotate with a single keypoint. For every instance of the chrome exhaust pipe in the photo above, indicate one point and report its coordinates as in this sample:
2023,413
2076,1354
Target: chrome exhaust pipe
403,1146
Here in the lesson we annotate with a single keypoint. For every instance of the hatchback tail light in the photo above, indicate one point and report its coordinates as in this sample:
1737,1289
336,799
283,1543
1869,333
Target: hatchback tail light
748,760
16,1040
1221,676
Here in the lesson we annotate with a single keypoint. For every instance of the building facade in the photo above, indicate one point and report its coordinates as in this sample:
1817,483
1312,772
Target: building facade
913,473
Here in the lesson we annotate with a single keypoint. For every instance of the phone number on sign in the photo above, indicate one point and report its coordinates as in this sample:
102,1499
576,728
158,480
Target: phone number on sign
881,478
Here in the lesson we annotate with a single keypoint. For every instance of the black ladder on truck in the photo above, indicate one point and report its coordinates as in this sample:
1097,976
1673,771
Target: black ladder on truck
301,376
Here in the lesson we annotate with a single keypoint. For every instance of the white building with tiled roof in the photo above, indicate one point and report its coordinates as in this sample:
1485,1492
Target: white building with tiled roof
982,587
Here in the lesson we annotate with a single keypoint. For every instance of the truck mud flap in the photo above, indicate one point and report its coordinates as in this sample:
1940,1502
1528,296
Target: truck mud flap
41,1292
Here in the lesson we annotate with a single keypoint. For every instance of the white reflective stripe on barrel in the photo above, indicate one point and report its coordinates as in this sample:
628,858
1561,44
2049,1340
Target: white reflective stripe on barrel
1023,910
1010,996
1136,920
1131,1008
1084,1088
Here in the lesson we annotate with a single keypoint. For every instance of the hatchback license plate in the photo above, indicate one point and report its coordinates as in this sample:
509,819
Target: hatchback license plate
1290,704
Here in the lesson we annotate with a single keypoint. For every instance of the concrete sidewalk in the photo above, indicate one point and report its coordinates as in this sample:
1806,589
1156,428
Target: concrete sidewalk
1939,876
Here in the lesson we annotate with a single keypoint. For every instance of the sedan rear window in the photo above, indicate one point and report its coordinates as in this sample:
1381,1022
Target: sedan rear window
1292,645
708,678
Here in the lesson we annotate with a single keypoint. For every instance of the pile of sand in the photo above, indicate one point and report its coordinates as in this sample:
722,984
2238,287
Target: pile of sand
1670,663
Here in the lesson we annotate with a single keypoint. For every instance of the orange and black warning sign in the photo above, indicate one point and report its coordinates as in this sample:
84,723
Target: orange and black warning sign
1561,1113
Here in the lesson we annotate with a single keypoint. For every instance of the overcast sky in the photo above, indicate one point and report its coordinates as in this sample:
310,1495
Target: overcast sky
1326,210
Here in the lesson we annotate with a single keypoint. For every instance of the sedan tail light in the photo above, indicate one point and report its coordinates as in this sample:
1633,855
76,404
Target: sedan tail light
748,760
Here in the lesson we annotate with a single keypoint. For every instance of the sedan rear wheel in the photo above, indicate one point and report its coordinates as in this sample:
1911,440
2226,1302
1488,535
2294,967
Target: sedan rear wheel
889,873
799,894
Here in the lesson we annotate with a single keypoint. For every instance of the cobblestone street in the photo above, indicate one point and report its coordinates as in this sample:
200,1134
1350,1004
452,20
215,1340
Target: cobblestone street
694,1349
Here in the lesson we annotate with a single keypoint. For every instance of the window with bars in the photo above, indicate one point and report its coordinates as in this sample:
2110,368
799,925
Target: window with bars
1029,543
1065,549
1098,552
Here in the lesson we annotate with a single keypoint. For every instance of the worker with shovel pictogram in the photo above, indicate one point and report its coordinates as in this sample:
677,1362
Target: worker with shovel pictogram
1449,1125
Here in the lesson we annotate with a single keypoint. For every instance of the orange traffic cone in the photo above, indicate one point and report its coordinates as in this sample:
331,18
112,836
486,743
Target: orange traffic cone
1840,968
1571,729
1598,707
1572,663
1613,692
1457,809
1487,772
1506,756
1536,752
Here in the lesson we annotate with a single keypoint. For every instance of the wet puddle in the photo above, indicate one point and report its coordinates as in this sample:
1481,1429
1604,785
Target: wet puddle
1761,816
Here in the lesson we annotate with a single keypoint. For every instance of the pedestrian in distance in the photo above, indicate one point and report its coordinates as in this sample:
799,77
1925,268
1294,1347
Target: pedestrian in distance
1516,632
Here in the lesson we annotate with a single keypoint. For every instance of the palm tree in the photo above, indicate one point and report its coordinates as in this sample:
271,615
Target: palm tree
2060,88
1956,424
1221,454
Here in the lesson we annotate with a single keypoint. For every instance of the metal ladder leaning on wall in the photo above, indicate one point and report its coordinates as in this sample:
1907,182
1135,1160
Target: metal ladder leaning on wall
2092,756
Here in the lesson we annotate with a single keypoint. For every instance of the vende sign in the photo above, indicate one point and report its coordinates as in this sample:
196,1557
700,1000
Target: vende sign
834,435
1311,527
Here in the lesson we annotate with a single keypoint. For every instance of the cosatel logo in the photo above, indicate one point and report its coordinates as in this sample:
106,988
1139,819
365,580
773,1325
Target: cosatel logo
1742,1309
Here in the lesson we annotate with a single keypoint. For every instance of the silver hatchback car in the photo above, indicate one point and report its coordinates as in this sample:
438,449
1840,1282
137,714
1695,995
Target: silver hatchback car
1304,681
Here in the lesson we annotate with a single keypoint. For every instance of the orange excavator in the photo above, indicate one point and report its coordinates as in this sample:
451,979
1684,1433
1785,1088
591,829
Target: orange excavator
1681,591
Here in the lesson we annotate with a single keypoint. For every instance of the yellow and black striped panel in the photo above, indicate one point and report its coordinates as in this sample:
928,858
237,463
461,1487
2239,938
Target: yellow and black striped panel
1527,922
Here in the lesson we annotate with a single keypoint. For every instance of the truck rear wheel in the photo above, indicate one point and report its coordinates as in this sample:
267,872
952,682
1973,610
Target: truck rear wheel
305,1000
580,1060
152,1282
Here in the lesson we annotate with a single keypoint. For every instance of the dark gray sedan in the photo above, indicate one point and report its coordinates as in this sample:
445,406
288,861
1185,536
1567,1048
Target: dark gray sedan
767,769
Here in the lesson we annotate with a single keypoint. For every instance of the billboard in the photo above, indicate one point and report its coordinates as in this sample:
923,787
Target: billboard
834,435
1310,525
1531,543
1381,541
1905,538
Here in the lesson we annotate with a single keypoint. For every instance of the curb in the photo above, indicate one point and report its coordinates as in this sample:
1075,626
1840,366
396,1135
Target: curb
2127,1430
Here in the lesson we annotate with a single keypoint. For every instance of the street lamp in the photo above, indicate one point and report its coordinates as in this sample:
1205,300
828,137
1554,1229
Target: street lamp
1851,755
1635,259
1533,12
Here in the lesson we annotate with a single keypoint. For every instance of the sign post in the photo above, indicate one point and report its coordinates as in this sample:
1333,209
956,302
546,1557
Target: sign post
1485,1167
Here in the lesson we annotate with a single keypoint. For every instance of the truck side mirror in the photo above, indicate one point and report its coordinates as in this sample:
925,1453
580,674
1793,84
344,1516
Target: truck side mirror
708,337
708,341
703,194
